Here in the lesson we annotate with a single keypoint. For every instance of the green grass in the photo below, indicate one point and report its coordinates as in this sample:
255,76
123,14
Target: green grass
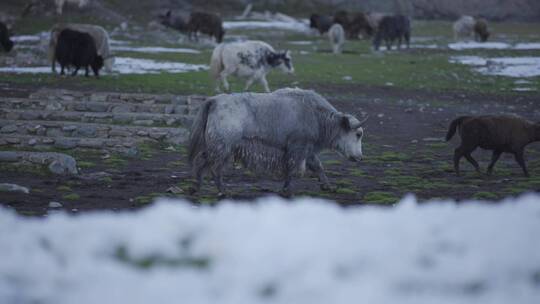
483,195
63,188
71,197
380,197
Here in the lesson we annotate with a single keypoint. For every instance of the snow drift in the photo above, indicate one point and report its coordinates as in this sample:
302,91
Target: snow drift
301,251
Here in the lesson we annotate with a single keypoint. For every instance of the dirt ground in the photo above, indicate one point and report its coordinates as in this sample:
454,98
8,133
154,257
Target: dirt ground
403,146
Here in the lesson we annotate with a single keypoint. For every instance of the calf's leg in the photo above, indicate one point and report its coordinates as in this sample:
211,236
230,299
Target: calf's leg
494,158
521,161
469,157
464,151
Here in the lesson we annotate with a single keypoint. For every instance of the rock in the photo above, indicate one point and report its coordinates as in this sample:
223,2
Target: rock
55,205
143,122
12,116
95,175
54,106
32,142
98,97
91,143
69,128
170,121
122,109
13,141
63,164
9,129
122,119
97,107
86,131
119,133
174,190
6,187
65,143
142,133
47,141
30,115
347,78
158,135
169,109
54,132
433,139
131,152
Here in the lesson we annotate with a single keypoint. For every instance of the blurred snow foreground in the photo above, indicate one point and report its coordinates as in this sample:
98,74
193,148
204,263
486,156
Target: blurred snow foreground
302,251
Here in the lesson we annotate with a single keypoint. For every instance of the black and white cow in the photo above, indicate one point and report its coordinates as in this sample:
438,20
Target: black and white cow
248,59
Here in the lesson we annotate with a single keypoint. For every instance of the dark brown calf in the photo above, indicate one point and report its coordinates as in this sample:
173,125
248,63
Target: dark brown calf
205,23
481,32
498,133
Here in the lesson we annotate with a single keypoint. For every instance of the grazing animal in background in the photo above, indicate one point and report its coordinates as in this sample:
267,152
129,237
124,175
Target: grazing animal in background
60,4
342,17
98,33
467,26
336,35
321,23
176,22
508,134
282,132
5,41
359,25
392,28
481,32
77,49
247,59
205,23
374,20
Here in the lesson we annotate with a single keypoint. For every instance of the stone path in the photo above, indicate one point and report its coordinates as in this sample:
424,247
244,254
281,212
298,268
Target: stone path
62,119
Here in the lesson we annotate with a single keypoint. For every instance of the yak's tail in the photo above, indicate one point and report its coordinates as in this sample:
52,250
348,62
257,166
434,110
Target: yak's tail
453,126
216,62
197,141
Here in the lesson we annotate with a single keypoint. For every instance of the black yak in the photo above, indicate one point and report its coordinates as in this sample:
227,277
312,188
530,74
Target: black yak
5,41
205,23
77,49
392,28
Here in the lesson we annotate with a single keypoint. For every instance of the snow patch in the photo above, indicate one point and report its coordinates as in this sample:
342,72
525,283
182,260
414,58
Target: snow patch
154,49
281,25
502,66
276,251
527,46
124,65
478,45
306,42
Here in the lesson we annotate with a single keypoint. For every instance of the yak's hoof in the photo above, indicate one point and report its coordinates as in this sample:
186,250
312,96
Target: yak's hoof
193,190
222,195
286,193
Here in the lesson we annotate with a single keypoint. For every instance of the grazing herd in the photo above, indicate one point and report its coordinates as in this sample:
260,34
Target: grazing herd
283,131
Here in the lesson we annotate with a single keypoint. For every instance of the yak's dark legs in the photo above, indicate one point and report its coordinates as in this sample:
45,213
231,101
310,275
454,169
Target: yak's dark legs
314,164
200,164
494,158
460,152
521,161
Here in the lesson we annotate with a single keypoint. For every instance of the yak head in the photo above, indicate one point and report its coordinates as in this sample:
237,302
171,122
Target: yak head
349,141
281,60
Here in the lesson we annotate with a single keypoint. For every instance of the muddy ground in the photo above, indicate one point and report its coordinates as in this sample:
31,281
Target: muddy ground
404,153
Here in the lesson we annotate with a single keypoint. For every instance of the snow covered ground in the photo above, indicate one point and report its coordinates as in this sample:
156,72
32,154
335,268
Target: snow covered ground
502,66
280,25
304,251
125,65
493,45
154,49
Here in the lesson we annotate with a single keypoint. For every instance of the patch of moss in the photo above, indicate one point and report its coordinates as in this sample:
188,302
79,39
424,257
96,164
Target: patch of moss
348,191
85,164
357,172
380,197
71,197
63,188
484,195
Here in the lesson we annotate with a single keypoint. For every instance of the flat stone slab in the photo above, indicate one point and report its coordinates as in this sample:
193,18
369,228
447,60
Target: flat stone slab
58,163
